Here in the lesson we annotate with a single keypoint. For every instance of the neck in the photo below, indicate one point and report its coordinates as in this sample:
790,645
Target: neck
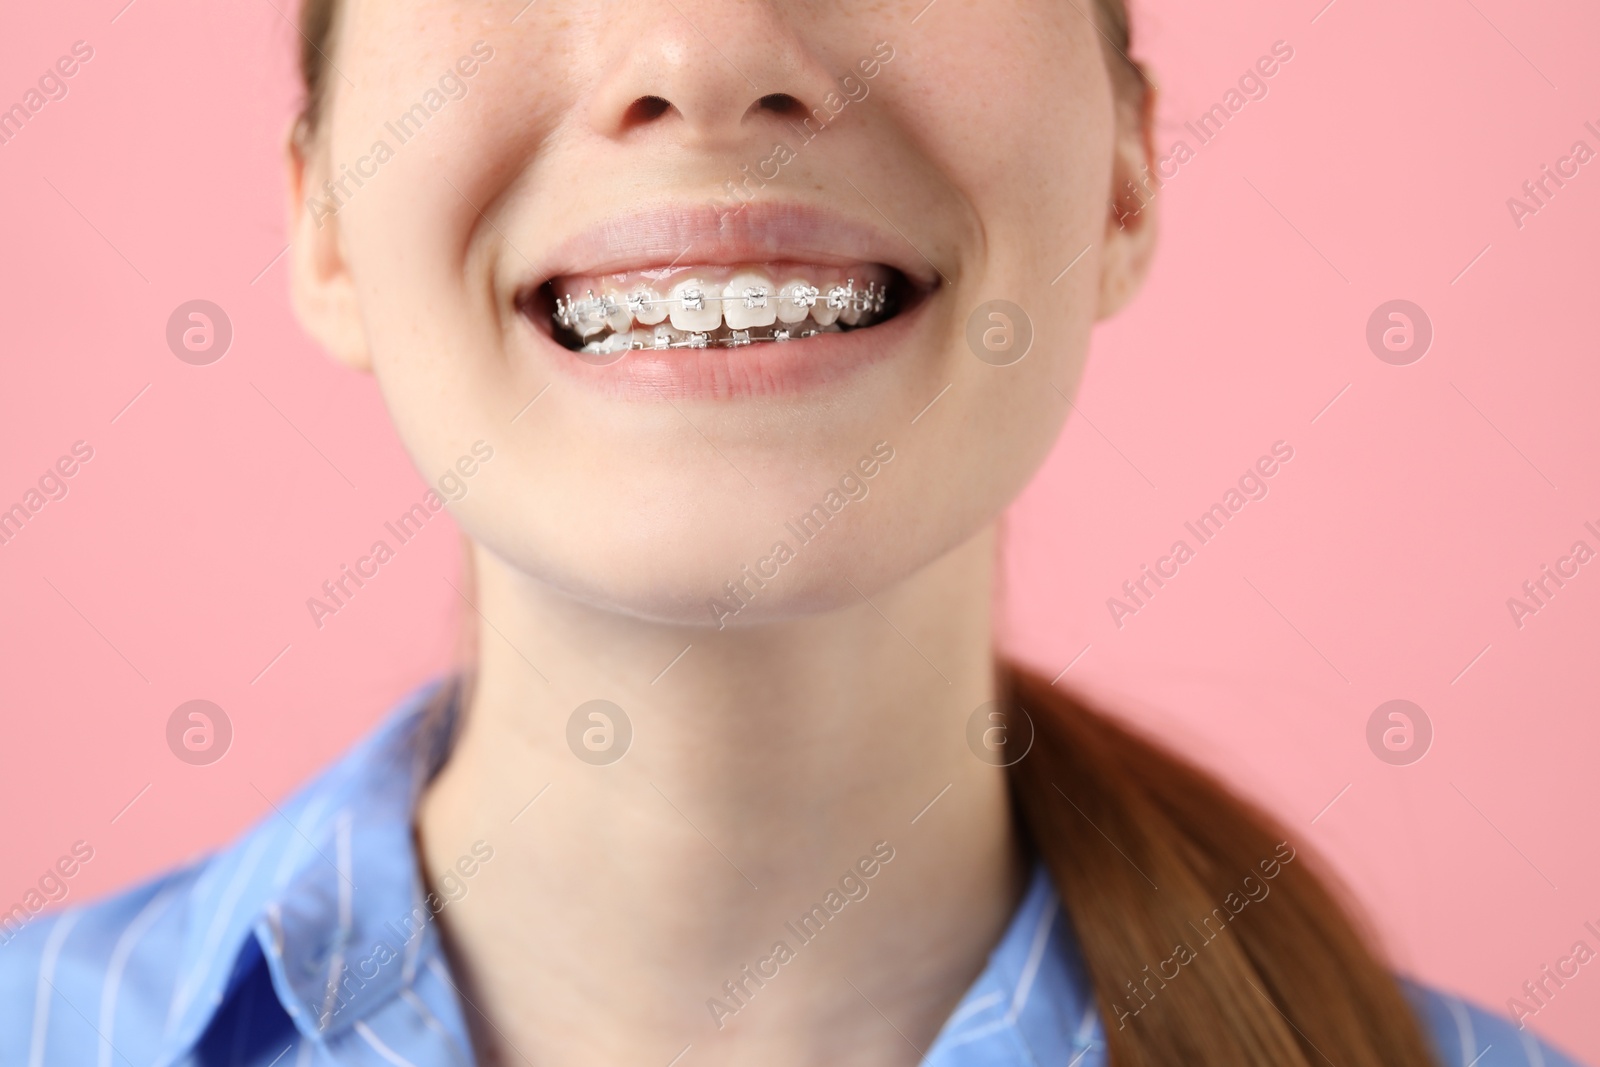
637,906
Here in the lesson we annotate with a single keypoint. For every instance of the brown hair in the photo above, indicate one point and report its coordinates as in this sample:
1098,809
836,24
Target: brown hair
318,37
1153,859
1164,871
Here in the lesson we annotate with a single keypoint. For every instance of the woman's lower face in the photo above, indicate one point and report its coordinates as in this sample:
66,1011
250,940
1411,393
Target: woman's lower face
683,266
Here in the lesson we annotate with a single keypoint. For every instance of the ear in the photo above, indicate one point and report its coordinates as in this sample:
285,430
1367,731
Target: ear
320,286
1131,220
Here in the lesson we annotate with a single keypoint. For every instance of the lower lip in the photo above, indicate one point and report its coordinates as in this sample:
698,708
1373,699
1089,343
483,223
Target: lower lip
761,369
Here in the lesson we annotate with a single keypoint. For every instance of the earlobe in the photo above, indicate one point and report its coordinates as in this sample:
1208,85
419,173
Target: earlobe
1131,228
320,286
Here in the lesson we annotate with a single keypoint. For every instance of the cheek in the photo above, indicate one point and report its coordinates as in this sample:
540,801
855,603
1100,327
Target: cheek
1022,118
433,321
1019,111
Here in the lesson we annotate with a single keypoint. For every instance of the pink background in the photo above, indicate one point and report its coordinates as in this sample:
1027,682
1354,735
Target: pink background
1377,568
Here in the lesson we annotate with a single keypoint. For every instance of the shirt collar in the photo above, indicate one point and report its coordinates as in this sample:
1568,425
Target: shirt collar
326,889
1033,1003
327,886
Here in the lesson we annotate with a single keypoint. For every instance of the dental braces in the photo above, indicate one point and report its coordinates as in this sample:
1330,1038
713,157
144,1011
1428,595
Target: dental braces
702,339
573,313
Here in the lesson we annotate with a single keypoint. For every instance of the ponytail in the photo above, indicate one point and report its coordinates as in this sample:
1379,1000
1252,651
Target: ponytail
1209,938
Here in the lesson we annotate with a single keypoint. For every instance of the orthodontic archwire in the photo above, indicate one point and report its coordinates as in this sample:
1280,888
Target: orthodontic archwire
702,339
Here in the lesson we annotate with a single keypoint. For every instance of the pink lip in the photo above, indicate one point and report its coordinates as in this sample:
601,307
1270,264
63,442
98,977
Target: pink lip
796,233
666,234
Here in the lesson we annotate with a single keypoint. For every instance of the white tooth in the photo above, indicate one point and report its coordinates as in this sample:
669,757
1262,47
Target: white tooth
642,338
588,318
620,317
648,307
692,307
664,336
610,344
749,300
854,309
828,305
795,303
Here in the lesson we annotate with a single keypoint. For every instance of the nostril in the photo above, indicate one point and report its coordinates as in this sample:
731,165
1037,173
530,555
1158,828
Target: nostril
781,103
645,109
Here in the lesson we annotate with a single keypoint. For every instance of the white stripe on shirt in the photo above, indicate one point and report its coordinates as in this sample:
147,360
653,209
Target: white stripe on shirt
1531,1051
119,961
336,962
295,847
1030,970
219,924
985,1001
46,986
383,1050
1469,1040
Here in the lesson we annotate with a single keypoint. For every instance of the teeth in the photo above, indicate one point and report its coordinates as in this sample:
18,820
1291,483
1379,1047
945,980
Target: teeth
855,304
592,316
617,342
690,309
646,305
618,317
747,309
748,301
829,304
796,299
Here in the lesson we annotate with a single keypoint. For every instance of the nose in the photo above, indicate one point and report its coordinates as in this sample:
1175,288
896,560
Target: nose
707,73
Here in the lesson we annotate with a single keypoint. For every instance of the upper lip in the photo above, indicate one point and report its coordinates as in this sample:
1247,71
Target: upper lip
665,234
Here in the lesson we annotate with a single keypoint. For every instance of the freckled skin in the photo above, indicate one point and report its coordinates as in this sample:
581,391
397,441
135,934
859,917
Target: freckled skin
984,153
988,141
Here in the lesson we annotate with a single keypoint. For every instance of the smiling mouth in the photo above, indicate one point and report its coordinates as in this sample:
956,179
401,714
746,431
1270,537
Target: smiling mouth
715,306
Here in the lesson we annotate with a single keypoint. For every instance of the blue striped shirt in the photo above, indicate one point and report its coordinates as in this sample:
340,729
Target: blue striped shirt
310,941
